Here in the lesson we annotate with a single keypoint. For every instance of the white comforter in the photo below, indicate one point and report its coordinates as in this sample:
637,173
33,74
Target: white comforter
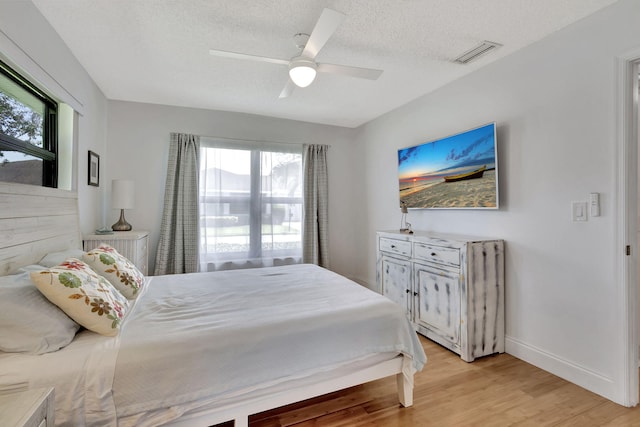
195,339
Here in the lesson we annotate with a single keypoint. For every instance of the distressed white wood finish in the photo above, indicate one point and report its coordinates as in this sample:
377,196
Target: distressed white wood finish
35,221
452,288
133,245
437,303
396,280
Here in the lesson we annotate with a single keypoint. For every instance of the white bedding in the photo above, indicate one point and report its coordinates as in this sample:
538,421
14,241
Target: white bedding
198,339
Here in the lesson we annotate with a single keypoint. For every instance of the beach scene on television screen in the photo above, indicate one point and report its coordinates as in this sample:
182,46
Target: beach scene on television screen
454,172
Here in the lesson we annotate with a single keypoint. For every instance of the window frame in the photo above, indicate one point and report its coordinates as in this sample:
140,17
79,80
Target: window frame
49,151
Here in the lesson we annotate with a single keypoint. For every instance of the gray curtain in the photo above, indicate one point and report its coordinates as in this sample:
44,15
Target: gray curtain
179,232
315,237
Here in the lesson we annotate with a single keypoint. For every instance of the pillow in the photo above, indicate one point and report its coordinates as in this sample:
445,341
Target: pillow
29,323
56,258
117,269
32,267
84,295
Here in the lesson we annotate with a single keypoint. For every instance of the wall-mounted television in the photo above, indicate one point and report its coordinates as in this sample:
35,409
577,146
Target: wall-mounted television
456,172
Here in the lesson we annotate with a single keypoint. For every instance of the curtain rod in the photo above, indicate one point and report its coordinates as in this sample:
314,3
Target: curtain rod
258,141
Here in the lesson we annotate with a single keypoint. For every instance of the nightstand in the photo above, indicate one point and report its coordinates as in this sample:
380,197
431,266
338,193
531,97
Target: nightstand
134,245
30,408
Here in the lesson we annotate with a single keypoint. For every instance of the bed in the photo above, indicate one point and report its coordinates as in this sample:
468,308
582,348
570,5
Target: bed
203,348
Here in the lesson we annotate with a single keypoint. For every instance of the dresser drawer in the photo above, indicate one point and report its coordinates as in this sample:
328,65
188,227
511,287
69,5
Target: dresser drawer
437,254
394,246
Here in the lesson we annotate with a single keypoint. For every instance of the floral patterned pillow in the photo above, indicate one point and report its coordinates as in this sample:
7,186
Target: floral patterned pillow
83,295
117,269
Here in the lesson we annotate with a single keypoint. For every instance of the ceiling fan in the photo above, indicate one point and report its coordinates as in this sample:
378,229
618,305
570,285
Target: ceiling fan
303,67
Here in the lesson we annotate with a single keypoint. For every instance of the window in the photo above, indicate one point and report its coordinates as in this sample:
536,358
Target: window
28,132
250,204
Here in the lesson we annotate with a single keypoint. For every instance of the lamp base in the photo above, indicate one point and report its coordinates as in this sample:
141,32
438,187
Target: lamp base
122,224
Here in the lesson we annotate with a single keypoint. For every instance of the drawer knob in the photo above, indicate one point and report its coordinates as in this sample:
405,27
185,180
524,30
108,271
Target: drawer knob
415,294
433,254
407,290
393,246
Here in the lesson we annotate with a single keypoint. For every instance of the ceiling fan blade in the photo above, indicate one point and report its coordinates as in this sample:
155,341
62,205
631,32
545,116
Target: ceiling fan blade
288,89
235,55
327,24
345,70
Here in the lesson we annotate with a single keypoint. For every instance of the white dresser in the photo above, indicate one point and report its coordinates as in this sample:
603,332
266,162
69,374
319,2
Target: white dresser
30,408
451,287
134,245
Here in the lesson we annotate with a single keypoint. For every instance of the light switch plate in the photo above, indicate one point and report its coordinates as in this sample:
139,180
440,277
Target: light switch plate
579,211
594,204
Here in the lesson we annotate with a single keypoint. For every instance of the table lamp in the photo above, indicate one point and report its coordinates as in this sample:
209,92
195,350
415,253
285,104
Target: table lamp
122,197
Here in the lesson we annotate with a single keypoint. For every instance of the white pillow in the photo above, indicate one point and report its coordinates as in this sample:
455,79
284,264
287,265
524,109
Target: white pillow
32,267
29,323
84,295
56,258
117,269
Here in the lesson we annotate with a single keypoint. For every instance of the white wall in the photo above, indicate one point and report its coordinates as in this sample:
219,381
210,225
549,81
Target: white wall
138,144
554,104
29,44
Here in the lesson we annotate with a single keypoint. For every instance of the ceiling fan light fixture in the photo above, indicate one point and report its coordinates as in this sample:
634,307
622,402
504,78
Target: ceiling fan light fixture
302,71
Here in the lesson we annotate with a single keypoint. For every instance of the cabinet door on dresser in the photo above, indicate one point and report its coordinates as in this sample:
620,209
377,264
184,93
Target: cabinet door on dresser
396,281
438,301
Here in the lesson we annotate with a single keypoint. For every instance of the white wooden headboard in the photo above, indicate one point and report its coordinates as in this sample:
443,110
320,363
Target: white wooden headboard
35,221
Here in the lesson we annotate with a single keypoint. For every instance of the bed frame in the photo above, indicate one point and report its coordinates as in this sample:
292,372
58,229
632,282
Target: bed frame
241,410
33,222
37,220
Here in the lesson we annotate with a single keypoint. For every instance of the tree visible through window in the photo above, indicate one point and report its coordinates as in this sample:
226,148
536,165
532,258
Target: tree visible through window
250,206
28,132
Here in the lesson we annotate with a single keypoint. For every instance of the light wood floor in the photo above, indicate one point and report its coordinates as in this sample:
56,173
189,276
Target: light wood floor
493,391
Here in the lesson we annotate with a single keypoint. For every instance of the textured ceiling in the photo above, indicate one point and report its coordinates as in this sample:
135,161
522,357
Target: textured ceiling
157,51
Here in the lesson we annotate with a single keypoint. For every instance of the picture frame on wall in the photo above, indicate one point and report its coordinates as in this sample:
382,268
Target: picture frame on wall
94,169
459,171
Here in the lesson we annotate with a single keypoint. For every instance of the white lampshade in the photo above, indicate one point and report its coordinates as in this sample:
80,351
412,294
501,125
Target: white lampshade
302,71
122,194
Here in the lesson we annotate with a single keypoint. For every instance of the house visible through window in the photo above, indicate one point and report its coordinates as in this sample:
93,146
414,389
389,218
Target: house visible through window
250,204
28,132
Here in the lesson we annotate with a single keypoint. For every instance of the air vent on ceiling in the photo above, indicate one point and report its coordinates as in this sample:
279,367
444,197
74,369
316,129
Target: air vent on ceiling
476,52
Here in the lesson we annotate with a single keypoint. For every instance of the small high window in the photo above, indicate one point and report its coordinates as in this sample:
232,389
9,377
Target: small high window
28,132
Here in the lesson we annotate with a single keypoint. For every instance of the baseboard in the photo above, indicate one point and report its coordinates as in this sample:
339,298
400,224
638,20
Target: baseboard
563,368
